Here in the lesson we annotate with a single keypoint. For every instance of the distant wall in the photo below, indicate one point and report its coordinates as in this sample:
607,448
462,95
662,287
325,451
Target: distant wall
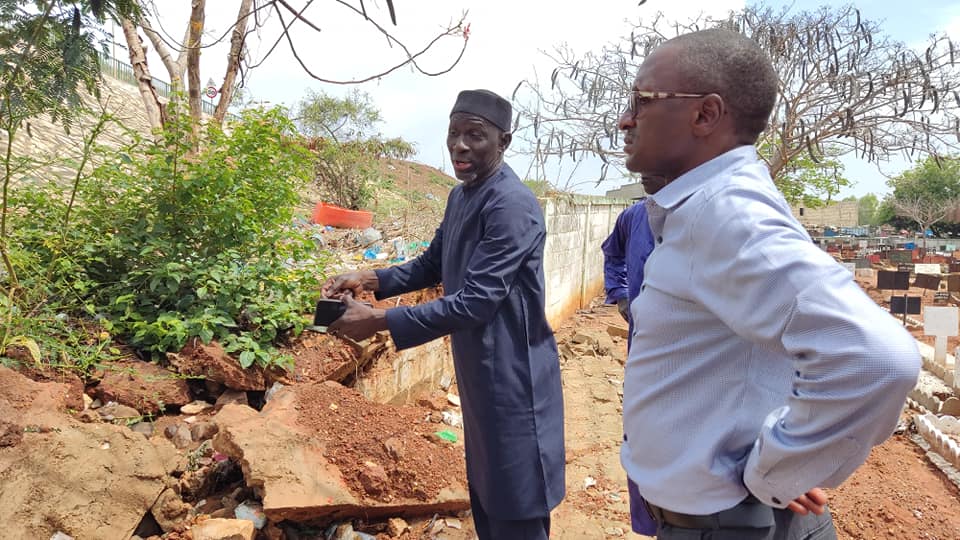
838,214
573,262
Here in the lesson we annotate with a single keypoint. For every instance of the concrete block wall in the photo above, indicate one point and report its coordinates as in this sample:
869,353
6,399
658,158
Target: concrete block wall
838,214
396,378
573,261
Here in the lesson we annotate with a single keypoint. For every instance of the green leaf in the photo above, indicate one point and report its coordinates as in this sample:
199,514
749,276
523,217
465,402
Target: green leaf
30,345
247,358
205,334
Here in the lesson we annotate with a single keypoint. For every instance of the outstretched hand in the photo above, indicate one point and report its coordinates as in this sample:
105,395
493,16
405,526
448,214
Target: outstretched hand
352,282
359,321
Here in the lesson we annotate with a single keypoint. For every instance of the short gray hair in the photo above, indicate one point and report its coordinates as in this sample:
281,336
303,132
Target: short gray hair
732,65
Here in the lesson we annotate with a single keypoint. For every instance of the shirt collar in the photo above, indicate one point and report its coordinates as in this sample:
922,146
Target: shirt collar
685,185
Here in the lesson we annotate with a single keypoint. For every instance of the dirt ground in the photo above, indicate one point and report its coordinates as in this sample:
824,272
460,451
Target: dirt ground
897,494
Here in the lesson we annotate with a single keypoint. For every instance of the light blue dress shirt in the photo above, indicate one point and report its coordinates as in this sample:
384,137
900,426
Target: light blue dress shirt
766,368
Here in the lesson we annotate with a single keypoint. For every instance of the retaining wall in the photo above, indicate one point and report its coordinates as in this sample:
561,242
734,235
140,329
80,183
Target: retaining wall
573,262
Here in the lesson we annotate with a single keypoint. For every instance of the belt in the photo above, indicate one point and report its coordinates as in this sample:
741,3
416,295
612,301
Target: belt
750,513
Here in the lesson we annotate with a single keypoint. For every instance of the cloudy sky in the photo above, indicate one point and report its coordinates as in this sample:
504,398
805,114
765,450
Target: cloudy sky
507,40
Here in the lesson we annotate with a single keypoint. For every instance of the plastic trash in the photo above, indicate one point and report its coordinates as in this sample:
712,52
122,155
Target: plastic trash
399,248
369,236
252,511
447,435
371,252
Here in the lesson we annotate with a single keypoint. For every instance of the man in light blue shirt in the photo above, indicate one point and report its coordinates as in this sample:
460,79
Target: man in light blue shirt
766,372
625,252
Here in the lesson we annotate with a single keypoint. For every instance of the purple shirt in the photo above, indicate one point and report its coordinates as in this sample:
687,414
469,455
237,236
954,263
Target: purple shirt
625,252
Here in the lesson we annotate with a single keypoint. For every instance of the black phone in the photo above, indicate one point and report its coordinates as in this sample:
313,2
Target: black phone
328,310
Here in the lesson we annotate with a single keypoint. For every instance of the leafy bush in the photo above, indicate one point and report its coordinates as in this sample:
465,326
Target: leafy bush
342,132
167,244
347,174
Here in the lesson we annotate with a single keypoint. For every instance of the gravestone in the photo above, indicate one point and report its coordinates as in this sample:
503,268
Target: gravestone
930,282
953,283
926,268
905,305
941,322
895,281
901,256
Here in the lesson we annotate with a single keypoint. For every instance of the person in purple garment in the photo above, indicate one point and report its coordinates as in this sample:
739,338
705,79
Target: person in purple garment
624,253
488,254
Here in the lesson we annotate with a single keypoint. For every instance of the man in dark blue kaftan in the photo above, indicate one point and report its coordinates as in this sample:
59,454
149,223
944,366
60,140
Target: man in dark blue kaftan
488,254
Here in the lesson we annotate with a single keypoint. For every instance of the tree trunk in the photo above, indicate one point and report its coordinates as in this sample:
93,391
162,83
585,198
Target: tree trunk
233,61
193,68
156,114
175,68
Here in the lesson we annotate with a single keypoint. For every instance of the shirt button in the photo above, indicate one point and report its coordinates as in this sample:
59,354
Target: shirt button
643,287
659,239
775,500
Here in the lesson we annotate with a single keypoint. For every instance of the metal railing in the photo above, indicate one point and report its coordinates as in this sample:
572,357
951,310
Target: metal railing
124,72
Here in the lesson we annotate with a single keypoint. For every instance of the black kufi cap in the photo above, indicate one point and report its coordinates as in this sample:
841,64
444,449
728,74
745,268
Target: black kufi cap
486,105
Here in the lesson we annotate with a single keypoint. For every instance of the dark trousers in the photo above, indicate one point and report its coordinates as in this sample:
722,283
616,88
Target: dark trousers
749,520
489,528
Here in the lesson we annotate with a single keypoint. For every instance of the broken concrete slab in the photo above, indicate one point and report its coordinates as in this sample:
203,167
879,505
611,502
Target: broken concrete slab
144,386
615,330
84,480
309,454
224,529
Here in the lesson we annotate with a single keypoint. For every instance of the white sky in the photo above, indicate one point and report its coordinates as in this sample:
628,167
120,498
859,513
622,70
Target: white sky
506,40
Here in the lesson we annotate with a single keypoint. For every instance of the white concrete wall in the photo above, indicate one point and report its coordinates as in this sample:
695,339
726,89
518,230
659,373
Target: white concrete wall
573,261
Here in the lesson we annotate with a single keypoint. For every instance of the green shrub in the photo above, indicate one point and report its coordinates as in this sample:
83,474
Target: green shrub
167,244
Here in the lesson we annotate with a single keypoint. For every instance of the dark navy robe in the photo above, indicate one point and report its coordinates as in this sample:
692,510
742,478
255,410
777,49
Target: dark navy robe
488,253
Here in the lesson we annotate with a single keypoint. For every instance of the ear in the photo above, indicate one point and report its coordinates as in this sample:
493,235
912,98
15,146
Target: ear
709,115
505,139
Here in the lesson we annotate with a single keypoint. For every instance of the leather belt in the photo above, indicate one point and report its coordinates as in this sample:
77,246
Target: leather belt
750,513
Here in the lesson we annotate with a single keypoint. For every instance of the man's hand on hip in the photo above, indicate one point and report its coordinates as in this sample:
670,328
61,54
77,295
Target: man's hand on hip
812,501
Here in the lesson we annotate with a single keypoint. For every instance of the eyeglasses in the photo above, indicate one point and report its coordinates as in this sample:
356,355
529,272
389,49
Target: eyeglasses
639,98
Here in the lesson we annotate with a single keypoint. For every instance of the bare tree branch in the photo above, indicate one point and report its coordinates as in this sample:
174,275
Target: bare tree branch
175,68
843,83
925,211
452,30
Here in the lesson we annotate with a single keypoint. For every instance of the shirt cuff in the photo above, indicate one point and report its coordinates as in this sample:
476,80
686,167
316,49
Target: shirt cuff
777,474
754,473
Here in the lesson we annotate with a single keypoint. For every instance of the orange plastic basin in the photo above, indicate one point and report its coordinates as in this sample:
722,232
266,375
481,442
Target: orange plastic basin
335,216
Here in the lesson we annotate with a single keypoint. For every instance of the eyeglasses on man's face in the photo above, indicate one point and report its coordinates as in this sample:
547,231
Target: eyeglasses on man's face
639,98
